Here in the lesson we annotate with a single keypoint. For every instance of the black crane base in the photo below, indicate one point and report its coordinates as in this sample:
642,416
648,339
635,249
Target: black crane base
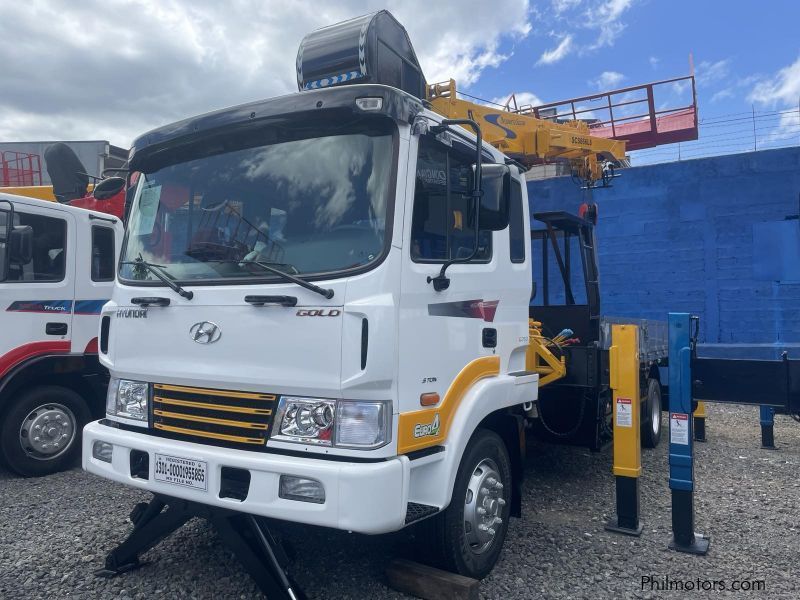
626,521
699,545
247,536
614,527
699,429
768,437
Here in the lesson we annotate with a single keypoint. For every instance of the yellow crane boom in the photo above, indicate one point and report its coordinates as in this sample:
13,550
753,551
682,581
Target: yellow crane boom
530,140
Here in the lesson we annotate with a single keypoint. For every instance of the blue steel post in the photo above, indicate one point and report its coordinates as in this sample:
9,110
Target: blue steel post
767,425
681,438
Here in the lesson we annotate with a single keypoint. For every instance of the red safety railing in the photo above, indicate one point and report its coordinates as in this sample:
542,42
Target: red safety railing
20,169
631,114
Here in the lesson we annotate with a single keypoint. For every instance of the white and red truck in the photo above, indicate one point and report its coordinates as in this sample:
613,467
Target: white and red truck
57,269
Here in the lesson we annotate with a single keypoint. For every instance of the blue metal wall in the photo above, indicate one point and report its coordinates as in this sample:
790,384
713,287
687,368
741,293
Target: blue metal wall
706,236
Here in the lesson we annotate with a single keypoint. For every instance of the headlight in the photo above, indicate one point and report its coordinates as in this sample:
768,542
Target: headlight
324,422
127,399
307,420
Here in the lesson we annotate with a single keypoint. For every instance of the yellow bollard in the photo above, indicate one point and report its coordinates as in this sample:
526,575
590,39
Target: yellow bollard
624,381
700,422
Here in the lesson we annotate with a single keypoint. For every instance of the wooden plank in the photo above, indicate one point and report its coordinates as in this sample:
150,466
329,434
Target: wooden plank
428,583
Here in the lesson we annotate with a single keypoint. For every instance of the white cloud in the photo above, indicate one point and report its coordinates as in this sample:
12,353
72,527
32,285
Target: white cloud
522,99
88,70
788,128
783,88
611,10
556,54
723,94
654,60
708,73
606,18
562,6
608,80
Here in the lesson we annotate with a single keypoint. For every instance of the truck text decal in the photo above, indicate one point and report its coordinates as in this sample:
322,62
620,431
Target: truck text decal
81,307
427,429
321,312
132,313
41,306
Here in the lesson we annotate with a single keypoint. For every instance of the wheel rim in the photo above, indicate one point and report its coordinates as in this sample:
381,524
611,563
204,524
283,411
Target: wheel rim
483,506
48,431
655,413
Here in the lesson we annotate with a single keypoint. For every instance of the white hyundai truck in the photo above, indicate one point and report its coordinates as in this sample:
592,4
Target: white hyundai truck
57,269
321,315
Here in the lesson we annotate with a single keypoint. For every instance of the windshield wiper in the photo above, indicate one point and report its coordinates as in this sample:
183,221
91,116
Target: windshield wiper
161,273
327,293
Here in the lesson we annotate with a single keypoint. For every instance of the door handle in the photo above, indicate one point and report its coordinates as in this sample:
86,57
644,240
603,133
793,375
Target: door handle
56,329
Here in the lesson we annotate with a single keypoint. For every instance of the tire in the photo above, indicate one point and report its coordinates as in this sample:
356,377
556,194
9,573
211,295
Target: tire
651,415
450,539
62,411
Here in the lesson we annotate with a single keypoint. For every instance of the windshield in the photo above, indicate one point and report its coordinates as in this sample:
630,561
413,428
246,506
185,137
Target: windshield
310,206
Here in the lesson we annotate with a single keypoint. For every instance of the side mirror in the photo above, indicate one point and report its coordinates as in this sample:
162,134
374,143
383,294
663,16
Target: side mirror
106,188
496,186
20,245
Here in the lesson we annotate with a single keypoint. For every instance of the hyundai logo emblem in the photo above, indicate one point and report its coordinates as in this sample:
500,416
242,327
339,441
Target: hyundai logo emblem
205,332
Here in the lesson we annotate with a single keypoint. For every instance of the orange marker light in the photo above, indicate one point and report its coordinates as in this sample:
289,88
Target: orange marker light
430,399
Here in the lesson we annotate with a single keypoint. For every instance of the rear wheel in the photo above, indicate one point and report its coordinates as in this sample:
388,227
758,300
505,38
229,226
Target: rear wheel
467,537
40,433
651,415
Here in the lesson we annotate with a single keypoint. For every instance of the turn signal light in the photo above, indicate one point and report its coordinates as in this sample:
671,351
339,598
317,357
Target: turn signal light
430,399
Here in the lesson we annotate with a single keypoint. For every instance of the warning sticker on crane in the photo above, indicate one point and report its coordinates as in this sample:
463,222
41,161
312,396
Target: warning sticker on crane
624,412
679,428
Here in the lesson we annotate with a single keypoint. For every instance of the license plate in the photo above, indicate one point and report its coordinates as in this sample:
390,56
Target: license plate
181,471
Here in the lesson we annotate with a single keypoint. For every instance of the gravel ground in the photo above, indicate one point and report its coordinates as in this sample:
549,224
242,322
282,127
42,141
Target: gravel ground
56,530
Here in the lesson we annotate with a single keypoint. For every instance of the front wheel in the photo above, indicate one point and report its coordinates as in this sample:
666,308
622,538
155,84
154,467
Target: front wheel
468,536
40,432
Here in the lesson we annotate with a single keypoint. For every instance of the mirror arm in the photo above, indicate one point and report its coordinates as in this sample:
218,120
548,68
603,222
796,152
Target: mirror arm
441,282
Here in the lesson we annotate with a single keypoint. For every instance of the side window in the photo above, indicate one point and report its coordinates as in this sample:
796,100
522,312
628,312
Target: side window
102,254
49,249
516,224
443,221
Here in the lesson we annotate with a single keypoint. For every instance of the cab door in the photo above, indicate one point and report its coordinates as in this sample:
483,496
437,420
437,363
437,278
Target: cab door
36,298
442,332
96,260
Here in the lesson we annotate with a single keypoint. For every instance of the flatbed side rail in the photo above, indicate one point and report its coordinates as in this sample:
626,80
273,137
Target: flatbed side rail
653,336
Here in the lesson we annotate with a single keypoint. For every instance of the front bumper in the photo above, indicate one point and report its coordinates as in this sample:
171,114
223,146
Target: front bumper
363,497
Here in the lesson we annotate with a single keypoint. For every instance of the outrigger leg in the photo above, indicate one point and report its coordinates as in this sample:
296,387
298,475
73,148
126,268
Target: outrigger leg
247,536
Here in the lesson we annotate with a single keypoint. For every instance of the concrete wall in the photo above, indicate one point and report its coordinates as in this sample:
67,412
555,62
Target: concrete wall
706,236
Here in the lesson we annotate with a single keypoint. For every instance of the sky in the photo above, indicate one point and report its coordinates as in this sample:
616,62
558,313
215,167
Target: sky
113,69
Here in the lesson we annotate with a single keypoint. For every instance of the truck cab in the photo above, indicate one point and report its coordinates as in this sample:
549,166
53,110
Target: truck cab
300,362
57,269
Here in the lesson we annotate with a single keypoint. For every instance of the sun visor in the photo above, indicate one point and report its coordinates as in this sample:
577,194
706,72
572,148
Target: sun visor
374,48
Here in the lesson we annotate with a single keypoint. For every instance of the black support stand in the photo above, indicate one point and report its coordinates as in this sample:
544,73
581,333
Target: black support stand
627,518
684,539
247,536
699,429
767,414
